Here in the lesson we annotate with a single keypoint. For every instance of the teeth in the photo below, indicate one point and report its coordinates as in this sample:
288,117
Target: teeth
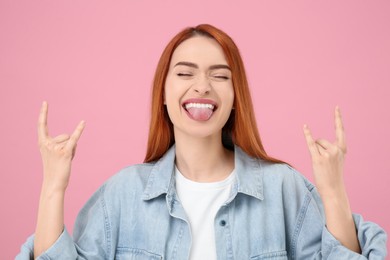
198,105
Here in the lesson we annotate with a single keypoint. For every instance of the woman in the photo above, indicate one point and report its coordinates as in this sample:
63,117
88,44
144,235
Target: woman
207,189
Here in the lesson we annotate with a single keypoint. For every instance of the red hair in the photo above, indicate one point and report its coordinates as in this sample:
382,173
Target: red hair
240,129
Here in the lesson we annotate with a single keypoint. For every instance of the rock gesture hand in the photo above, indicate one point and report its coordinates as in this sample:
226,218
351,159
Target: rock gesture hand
328,158
328,162
56,152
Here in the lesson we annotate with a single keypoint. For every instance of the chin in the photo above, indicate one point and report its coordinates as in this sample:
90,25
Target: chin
201,132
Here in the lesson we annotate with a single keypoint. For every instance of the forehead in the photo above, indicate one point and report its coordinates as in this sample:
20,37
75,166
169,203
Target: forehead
200,50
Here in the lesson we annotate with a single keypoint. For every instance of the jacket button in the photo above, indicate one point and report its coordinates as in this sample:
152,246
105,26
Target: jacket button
222,223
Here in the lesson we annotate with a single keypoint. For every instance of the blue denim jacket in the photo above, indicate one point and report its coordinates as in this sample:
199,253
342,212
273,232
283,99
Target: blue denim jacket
272,212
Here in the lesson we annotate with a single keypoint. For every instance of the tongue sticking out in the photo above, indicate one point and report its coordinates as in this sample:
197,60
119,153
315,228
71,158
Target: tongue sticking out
200,114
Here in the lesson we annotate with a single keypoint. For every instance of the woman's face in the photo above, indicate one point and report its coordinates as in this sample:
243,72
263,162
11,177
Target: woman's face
199,92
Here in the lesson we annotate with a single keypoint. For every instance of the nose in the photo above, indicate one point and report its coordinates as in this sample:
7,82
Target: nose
202,86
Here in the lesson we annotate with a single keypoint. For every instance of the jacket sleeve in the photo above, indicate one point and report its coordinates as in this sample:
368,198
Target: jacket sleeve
90,239
313,236
63,248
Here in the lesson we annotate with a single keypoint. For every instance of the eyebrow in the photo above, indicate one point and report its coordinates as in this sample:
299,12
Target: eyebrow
193,65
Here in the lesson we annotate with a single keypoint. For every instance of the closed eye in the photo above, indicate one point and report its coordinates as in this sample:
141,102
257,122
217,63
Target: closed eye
180,74
221,77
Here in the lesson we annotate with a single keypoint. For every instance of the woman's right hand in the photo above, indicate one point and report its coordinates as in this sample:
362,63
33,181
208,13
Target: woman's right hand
56,152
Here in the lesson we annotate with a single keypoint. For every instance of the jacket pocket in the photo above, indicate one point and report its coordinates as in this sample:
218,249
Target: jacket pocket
135,254
278,255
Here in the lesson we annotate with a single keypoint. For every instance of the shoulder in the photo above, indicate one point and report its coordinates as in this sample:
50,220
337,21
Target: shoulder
272,179
271,173
284,174
136,171
282,181
295,192
129,180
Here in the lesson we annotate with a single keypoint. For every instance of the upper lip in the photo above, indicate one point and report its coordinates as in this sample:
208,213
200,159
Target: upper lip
200,101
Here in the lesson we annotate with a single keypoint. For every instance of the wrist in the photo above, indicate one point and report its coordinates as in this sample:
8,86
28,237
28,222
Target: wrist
50,190
332,191
336,199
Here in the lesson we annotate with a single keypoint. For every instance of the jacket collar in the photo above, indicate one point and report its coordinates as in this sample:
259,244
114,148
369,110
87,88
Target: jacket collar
248,180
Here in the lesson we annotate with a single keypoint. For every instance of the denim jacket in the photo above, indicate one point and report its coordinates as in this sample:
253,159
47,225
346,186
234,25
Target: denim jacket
272,212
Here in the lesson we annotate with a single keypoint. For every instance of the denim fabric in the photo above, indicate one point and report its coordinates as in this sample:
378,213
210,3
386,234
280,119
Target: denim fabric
272,212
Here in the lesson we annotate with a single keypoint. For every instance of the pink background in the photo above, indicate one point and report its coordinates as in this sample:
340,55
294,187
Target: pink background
95,60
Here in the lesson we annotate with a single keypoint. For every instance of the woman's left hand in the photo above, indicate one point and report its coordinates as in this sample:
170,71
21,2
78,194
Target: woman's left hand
328,159
328,162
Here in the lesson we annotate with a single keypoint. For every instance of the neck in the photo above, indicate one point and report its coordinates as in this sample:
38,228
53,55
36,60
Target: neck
203,159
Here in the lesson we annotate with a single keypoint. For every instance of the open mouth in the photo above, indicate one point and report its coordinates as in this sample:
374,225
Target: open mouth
200,111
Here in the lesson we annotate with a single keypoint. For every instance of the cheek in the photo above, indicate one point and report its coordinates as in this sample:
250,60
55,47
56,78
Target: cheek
173,90
230,94
167,90
171,97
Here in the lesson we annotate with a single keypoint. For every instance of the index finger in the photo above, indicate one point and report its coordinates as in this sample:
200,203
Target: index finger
42,122
340,134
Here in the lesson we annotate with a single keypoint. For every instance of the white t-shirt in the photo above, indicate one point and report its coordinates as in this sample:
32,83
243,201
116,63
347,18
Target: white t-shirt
201,202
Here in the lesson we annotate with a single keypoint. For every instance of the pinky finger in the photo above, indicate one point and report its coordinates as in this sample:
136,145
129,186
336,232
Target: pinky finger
311,144
340,133
71,144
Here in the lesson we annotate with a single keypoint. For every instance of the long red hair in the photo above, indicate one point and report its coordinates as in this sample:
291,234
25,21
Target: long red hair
240,129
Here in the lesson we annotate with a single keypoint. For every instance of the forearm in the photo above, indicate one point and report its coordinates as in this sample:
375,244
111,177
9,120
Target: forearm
57,154
339,219
50,222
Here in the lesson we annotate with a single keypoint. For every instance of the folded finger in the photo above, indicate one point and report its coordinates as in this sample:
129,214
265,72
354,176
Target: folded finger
61,138
325,144
321,150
